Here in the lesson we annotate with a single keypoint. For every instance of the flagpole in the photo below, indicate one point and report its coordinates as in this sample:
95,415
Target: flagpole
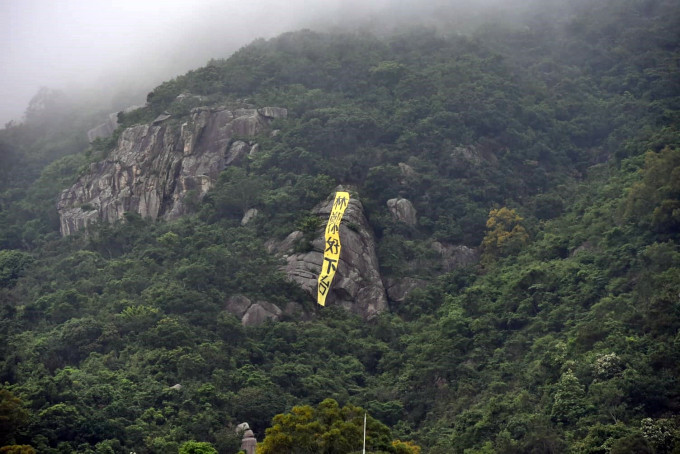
364,450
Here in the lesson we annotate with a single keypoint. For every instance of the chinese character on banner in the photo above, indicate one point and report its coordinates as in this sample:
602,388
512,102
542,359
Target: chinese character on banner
331,254
331,265
332,245
333,229
340,202
323,284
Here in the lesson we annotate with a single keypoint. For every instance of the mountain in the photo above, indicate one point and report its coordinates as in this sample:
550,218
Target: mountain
511,270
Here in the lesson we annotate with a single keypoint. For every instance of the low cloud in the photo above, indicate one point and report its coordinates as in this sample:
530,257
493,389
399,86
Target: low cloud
124,48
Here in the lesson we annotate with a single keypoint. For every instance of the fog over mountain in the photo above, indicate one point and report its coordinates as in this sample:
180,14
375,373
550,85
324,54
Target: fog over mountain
510,264
123,49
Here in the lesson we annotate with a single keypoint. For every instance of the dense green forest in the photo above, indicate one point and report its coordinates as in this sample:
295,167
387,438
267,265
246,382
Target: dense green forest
550,143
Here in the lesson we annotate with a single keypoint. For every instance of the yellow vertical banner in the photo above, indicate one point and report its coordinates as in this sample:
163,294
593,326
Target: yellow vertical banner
331,253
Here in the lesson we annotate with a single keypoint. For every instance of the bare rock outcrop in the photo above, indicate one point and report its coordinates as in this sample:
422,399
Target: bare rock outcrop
249,216
357,285
406,170
249,442
399,289
466,154
484,152
259,312
157,168
456,255
253,313
403,211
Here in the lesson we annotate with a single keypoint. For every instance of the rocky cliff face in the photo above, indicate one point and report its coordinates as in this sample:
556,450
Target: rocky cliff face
357,285
156,167
403,211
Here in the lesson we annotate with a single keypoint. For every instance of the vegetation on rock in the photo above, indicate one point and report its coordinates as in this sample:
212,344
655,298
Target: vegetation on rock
552,144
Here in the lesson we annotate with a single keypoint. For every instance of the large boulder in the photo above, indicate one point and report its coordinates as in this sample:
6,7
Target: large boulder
253,313
403,211
357,285
238,305
159,169
249,215
259,312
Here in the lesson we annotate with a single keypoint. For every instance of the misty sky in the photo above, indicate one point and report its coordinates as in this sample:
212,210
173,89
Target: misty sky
135,44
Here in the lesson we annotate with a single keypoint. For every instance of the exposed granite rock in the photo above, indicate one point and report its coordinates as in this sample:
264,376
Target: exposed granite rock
295,311
399,289
273,112
406,170
403,211
456,256
260,312
584,247
357,285
189,96
286,246
236,151
466,154
249,216
155,166
249,442
238,305
483,152
253,313
161,118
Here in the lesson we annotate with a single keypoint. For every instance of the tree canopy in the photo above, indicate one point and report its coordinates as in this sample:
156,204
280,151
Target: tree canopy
548,144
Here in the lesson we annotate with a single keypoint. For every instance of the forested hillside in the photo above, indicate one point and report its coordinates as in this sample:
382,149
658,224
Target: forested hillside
549,145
